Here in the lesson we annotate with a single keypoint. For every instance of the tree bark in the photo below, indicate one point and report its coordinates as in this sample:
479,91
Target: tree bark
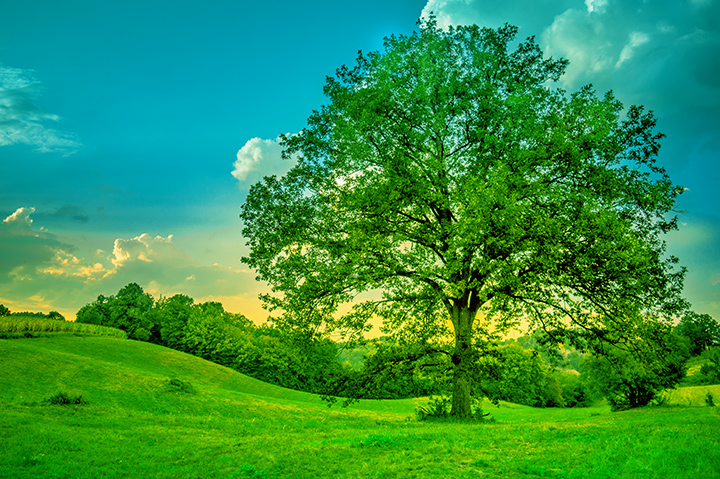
462,363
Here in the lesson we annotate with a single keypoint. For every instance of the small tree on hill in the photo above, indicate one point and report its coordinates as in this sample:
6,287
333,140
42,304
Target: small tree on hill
447,185
4,311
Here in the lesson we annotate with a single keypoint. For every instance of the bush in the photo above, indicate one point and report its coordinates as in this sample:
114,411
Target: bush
179,386
629,380
64,399
439,409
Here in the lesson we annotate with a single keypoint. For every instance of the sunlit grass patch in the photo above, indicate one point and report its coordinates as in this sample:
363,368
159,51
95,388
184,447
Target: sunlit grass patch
692,395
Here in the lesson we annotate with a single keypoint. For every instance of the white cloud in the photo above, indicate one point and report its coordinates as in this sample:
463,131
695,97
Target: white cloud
142,248
66,264
636,39
595,5
441,9
21,216
258,158
22,121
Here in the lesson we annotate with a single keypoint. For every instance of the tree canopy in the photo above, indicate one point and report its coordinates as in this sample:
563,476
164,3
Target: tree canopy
451,189
702,331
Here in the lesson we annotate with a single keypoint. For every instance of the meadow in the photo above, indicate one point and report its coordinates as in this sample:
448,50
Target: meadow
148,411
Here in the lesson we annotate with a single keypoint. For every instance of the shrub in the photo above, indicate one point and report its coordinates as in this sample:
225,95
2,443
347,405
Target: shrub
64,399
439,408
180,386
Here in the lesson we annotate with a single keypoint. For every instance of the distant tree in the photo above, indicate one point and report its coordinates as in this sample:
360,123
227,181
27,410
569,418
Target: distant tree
524,379
55,315
31,314
4,311
448,173
702,330
211,332
391,371
574,392
710,371
633,375
97,312
131,311
173,314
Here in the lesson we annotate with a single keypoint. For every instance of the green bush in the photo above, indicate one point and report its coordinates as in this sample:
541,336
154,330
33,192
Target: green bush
180,386
438,408
64,399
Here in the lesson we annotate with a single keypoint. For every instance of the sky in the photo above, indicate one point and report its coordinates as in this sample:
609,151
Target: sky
131,131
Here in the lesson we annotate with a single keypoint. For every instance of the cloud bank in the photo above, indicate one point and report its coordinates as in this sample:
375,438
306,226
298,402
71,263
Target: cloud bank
22,121
41,271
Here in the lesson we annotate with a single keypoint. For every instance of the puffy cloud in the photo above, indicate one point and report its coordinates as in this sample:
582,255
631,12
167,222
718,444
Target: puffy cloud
22,121
531,16
66,264
142,248
661,54
21,216
258,158
23,247
595,5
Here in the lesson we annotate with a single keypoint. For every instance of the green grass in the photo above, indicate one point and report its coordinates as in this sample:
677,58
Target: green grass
16,326
157,413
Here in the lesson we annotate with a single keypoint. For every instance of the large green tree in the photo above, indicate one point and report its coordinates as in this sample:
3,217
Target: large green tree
448,186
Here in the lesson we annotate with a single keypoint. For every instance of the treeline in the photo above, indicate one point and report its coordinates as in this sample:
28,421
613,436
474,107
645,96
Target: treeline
4,311
530,371
524,370
208,331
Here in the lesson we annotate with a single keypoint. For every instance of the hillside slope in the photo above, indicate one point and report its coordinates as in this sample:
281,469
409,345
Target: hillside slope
153,412
115,372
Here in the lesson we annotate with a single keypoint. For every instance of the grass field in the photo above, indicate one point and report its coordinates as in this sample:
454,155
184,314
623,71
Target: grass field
152,412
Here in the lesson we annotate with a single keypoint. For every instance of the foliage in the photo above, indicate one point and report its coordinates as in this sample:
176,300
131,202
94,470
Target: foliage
392,370
449,183
172,315
55,315
4,311
523,379
32,314
702,331
710,371
574,392
208,331
439,408
63,398
635,374
130,310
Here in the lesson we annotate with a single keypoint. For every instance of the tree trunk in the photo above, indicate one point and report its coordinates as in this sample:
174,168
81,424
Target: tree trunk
462,363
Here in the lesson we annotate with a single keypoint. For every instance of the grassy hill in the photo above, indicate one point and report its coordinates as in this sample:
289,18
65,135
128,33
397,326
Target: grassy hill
157,413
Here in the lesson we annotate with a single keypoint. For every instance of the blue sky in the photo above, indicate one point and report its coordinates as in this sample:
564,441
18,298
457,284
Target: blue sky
131,131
